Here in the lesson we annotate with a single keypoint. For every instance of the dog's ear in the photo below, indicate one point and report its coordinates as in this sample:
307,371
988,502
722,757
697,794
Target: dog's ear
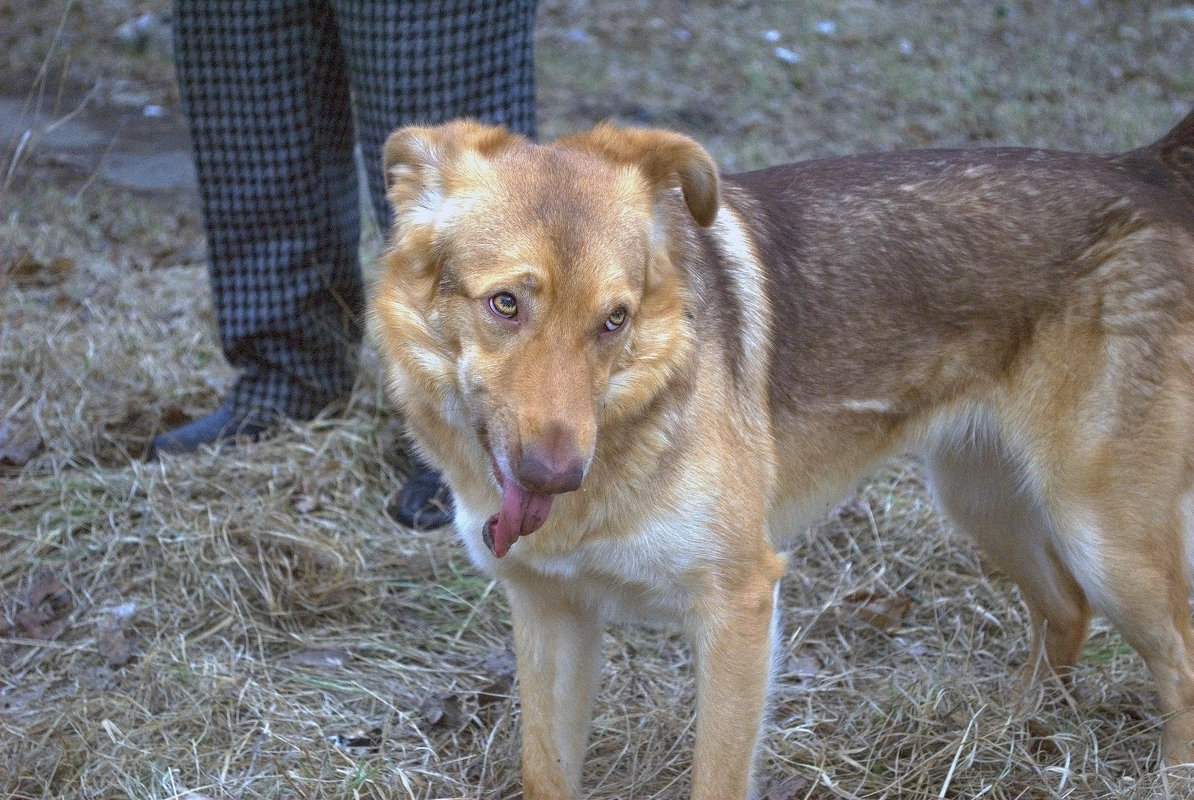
423,166
417,160
664,158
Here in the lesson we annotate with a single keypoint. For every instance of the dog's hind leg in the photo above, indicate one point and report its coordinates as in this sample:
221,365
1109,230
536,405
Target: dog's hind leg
558,646
981,487
1127,527
1112,537
1110,461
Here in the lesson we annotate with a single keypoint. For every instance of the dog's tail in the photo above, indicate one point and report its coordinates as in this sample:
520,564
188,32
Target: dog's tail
1169,160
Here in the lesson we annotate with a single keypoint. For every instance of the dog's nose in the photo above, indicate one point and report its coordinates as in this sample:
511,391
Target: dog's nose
547,475
552,465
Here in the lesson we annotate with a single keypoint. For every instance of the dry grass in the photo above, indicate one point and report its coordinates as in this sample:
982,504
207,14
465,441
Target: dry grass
251,625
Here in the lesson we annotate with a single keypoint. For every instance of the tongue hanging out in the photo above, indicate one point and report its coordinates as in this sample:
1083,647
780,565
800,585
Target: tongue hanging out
522,514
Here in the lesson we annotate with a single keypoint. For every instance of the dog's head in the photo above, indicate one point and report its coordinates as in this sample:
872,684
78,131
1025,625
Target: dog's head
532,292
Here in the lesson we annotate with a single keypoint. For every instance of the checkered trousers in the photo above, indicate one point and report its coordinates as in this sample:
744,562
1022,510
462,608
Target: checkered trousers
276,93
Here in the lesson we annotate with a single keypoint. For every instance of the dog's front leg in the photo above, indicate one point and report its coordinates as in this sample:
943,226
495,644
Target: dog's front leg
733,641
558,645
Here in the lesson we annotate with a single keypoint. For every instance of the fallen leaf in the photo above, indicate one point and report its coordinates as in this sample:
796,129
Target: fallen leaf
884,611
442,711
48,604
116,646
801,668
48,591
36,624
789,788
27,269
501,668
17,445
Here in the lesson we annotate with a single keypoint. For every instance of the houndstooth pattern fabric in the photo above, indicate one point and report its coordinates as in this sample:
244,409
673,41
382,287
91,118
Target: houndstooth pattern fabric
276,93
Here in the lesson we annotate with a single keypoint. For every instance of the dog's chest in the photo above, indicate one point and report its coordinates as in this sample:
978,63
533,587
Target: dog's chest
651,573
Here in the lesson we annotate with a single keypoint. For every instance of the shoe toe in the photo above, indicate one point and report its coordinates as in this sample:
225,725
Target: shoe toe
221,425
424,503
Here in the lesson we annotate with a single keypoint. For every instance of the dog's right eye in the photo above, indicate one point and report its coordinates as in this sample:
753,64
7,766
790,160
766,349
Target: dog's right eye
504,305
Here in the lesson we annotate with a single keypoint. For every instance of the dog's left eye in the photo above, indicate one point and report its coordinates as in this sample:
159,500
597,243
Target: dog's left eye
504,305
615,320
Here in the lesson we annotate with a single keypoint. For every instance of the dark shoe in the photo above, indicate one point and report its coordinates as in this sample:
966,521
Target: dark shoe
424,503
220,426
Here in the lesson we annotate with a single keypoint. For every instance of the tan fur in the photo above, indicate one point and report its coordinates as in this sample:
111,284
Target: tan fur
1024,318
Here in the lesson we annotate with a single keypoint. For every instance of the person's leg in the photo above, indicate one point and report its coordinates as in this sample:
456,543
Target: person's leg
420,63
266,93
415,62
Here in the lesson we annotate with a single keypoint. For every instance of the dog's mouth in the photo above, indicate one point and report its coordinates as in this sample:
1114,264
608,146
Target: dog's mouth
522,513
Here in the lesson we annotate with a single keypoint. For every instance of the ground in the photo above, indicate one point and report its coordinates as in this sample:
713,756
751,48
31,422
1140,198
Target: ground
253,626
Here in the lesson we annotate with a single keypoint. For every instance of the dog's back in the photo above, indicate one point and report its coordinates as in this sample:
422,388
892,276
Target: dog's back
902,284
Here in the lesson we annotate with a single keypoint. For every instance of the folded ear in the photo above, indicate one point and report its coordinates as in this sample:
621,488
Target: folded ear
419,160
422,165
665,159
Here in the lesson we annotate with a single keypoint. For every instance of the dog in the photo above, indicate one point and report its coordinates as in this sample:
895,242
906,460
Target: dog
638,375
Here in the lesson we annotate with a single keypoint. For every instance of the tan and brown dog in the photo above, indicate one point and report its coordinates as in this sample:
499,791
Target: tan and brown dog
658,371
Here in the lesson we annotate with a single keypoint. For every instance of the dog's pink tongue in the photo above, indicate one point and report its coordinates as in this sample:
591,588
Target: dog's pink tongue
522,513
